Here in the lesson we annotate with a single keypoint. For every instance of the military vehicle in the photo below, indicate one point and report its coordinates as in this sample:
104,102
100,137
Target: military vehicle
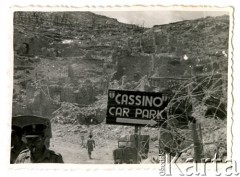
127,151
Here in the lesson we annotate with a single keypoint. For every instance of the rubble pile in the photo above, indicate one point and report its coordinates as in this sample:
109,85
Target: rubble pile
72,113
65,62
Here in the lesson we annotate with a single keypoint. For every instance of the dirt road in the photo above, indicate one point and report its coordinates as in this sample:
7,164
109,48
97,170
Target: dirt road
67,141
77,154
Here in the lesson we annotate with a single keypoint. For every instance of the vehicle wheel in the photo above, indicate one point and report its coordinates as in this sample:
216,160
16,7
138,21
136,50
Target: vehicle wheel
118,162
131,161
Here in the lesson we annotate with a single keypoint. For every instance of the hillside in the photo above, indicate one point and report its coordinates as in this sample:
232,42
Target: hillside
64,63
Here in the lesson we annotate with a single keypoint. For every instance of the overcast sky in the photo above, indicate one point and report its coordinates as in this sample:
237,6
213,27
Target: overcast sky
150,18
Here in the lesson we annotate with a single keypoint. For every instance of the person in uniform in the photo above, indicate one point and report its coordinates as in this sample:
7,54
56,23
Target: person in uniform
37,151
90,146
17,145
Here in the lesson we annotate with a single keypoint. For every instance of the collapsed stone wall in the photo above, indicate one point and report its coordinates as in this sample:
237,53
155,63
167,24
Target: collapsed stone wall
45,100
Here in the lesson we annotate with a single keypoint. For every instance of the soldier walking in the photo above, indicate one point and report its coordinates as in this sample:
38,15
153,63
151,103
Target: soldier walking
90,146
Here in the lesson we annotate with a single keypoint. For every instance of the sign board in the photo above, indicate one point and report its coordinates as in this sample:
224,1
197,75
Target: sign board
135,108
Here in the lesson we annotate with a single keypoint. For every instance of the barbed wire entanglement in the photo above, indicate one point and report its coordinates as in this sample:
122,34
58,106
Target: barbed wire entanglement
203,97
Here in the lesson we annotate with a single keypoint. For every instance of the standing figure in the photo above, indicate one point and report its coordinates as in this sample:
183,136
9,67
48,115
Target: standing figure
17,145
90,146
37,151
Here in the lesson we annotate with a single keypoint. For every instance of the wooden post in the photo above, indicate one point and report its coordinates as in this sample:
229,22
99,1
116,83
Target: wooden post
196,142
196,133
137,142
200,132
82,138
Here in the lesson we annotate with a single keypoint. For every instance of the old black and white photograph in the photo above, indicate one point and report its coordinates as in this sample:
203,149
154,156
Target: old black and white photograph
121,87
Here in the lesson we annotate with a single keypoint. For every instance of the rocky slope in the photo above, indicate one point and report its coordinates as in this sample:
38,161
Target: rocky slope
66,53
65,62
